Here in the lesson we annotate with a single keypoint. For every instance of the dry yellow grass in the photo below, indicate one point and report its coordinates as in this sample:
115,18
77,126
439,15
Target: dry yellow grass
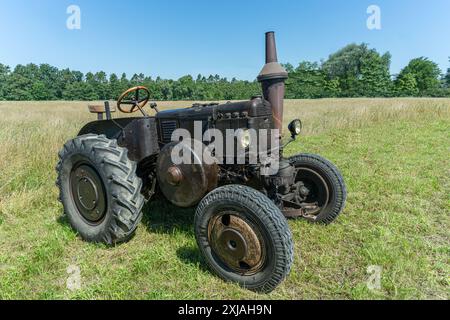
317,115
52,123
328,114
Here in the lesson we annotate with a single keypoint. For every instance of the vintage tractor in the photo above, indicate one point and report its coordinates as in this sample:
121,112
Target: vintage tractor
108,172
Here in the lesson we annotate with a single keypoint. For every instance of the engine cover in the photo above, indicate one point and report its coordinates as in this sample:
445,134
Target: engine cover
186,184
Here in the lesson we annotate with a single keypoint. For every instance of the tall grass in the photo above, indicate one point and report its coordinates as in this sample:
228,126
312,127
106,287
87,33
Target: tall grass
329,114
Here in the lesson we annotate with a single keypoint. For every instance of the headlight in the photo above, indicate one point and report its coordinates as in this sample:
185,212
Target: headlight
244,138
295,127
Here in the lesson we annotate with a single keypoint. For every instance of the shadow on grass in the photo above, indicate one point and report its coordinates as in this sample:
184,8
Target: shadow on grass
63,221
192,256
160,216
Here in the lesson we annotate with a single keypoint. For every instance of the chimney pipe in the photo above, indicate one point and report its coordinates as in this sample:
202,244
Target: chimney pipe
271,48
272,78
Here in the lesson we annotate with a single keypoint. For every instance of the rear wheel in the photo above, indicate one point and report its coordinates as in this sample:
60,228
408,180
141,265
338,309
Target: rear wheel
320,190
244,237
99,189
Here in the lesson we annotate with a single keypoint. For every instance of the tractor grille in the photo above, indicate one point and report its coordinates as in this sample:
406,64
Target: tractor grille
167,128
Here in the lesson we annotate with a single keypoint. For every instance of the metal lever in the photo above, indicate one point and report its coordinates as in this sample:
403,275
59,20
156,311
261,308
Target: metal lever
108,110
154,106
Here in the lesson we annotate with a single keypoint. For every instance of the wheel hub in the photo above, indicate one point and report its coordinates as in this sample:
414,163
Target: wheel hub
232,244
174,176
88,193
236,243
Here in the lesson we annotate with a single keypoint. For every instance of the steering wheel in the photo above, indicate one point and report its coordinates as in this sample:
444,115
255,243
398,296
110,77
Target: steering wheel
136,97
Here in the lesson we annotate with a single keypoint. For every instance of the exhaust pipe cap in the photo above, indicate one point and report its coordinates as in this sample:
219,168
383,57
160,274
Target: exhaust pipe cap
272,69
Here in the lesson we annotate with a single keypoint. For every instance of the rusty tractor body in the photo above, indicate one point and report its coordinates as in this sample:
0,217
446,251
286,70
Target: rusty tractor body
106,174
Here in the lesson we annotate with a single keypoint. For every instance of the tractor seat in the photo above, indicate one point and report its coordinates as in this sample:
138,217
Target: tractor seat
100,110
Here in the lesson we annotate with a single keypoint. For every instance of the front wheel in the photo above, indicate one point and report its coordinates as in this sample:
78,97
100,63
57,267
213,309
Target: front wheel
244,237
319,187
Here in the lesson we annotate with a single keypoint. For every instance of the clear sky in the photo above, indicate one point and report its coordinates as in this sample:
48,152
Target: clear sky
171,38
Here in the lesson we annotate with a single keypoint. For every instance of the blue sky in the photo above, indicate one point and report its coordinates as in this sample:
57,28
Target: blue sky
171,38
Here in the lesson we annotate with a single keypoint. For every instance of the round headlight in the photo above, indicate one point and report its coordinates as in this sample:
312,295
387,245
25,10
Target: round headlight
245,139
295,127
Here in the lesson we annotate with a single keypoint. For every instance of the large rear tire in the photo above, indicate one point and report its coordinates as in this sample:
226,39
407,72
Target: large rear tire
244,237
99,189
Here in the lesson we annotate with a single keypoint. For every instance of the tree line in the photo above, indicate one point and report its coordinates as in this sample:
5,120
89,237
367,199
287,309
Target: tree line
353,71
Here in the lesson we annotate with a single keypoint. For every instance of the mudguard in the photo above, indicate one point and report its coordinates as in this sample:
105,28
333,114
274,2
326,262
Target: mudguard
138,135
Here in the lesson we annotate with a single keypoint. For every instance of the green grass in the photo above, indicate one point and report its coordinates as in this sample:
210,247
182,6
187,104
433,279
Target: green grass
397,217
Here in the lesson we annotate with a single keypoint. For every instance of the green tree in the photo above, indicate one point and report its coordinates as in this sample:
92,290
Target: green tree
4,74
124,83
307,81
166,87
82,91
65,78
447,77
90,87
406,86
426,73
360,71
375,76
183,88
41,92
19,84
137,80
353,71
101,85
115,89
345,66
49,77
332,88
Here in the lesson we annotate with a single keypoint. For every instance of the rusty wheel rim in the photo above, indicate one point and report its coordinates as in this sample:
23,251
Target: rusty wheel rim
88,193
318,195
237,243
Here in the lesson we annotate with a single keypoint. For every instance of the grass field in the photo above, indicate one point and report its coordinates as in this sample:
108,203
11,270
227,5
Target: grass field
393,153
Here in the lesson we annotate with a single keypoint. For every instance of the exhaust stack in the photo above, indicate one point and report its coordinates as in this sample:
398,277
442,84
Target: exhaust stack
272,78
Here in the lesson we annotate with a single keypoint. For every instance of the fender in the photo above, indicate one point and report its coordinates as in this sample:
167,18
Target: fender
138,135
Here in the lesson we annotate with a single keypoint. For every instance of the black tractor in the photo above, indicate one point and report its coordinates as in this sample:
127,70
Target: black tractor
114,166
